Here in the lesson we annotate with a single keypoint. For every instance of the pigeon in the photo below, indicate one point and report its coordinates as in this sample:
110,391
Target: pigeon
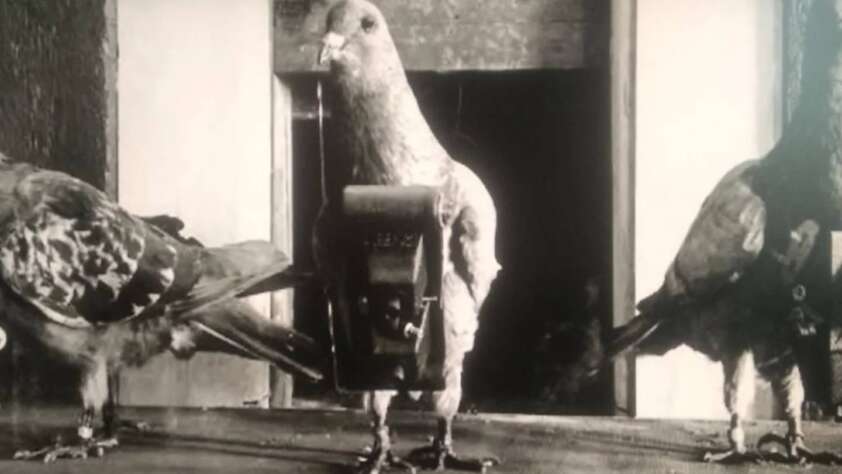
387,141
84,281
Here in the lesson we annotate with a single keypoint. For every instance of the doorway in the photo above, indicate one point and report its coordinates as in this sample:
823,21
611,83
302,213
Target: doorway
539,141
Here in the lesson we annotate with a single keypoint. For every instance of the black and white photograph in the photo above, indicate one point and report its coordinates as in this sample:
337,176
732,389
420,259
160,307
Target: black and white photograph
408,236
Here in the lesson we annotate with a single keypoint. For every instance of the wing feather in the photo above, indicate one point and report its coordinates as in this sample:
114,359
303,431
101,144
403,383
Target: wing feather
78,256
726,238
472,232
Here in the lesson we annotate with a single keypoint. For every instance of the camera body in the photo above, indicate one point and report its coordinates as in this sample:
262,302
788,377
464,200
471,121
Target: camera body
387,323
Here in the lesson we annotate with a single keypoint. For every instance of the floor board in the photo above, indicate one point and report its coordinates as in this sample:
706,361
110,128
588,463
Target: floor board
319,441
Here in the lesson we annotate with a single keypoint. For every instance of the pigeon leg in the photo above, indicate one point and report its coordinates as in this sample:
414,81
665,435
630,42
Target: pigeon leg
94,389
440,455
789,388
740,373
111,419
380,457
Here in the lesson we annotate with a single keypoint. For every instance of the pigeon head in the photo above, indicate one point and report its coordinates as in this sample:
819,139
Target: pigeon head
357,42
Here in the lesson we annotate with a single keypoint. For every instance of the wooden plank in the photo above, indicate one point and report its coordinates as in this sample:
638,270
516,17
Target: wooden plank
323,441
400,12
622,72
835,328
111,179
794,23
281,383
460,35
109,69
55,84
57,110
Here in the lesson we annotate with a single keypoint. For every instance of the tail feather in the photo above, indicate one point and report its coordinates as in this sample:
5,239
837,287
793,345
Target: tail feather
624,338
219,321
238,270
287,278
251,258
240,259
651,313
632,334
207,293
236,327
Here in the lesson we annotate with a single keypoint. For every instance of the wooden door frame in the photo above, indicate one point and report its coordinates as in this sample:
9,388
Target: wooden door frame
280,382
282,303
621,70
564,40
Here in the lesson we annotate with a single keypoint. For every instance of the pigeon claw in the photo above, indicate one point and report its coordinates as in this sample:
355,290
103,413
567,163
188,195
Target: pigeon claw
382,460
734,457
438,457
795,451
83,450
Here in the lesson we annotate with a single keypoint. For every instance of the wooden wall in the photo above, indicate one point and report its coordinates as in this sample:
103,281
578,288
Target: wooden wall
57,109
434,35
196,141
708,96
57,78
795,21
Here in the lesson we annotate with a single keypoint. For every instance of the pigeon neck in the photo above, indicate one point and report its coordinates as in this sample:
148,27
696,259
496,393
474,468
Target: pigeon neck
391,141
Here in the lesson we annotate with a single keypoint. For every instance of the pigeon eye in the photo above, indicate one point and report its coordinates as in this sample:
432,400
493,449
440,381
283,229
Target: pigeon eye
367,24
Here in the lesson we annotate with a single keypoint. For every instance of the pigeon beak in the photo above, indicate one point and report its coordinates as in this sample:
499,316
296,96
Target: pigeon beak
331,44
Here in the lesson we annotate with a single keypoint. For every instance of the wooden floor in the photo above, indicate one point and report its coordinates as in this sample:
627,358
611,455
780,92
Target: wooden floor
257,441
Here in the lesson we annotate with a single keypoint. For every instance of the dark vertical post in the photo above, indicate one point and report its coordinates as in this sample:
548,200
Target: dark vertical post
795,21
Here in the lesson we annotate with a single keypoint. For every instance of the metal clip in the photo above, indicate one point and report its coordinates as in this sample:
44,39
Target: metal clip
799,293
411,331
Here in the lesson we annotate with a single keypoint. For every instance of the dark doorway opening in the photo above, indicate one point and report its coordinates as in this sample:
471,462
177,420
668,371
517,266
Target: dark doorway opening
539,141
